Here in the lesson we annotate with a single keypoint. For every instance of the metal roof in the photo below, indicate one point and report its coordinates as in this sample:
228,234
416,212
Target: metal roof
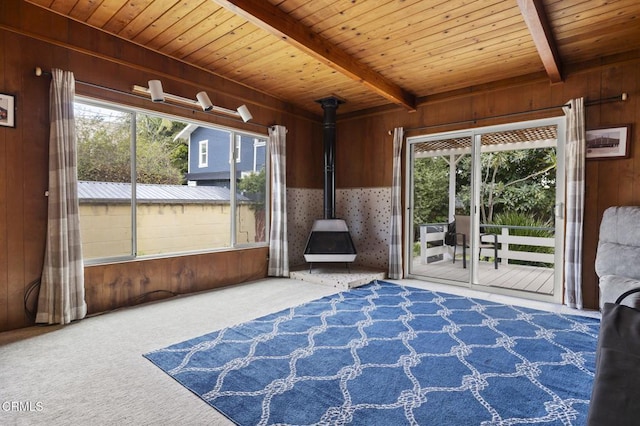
121,192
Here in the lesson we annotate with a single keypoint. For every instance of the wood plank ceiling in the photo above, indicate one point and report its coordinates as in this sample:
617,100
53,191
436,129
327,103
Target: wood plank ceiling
369,53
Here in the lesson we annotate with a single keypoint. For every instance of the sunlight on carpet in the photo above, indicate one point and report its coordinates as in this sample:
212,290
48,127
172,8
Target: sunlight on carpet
386,354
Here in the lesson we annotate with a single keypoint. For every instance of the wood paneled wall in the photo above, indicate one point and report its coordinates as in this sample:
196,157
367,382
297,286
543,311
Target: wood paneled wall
115,285
364,146
31,37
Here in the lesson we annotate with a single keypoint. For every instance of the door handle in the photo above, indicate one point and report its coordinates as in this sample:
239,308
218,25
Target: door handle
558,210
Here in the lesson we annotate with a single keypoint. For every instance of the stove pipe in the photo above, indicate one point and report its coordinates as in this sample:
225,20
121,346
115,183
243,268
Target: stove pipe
329,240
329,105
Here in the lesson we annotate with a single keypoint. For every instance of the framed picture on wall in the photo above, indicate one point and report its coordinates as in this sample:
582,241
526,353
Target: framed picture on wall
7,110
611,142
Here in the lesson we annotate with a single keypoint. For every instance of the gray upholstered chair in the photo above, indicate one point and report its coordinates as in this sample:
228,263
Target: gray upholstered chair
616,385
618,255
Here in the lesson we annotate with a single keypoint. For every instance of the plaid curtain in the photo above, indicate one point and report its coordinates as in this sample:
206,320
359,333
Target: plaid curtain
395,240
575,163
61,298
278,244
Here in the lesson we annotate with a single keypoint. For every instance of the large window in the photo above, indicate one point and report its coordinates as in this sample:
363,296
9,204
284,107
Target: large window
150,185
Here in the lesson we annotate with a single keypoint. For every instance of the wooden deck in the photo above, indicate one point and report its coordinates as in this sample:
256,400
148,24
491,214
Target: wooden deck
516,277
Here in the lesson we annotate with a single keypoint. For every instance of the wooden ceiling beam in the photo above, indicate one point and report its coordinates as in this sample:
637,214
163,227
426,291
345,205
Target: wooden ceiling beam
279,23
536,19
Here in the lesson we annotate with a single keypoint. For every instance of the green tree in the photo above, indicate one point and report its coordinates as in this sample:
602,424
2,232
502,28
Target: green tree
155,146
104,152
180,160
253,185
521,181
104,147
431,190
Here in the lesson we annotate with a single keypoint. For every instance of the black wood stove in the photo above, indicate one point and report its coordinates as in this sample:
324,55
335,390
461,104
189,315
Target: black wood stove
329,240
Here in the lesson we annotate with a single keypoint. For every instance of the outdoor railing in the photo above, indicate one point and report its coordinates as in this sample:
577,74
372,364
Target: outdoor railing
433,248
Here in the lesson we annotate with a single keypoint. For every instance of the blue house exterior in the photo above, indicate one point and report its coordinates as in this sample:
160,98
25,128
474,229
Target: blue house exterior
210,157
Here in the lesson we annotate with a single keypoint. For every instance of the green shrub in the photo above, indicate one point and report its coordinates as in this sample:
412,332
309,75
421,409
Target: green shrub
416,249
521,219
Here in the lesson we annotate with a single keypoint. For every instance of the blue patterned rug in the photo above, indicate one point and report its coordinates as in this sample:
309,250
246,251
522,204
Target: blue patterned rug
385,354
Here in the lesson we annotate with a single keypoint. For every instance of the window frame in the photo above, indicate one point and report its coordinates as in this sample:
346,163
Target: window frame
257,143
203,152
235,151
234,133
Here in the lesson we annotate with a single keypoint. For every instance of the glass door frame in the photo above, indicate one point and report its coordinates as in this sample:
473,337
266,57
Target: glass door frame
475,152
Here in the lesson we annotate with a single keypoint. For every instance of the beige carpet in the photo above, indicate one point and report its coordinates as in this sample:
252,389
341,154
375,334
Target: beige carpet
92,372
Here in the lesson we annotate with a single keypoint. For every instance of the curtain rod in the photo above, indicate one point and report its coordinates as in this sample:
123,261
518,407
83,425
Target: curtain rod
621,97
40,72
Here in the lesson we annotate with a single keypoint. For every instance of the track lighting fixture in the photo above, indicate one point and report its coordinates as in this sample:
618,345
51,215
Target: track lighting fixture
202,100
155,90
244,113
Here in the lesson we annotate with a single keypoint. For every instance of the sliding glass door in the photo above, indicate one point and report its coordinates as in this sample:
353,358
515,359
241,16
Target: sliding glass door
484,208
437,194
